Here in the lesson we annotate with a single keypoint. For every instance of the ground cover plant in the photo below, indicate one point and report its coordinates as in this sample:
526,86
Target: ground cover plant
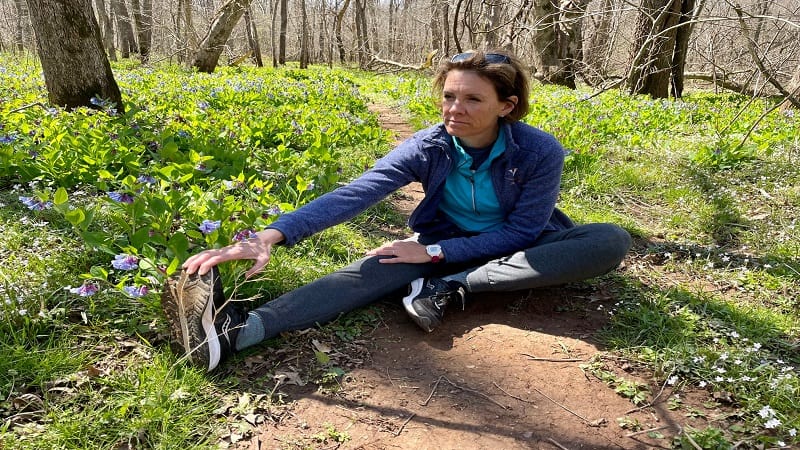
97,207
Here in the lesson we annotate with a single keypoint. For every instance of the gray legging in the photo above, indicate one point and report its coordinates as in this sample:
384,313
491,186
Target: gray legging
557,257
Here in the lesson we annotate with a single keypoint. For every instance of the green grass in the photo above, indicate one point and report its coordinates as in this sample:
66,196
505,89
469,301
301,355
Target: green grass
708,300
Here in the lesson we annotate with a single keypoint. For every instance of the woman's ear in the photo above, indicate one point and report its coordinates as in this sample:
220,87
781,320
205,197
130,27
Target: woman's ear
511,103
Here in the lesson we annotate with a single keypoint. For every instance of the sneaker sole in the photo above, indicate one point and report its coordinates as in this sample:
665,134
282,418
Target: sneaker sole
408,300
197,337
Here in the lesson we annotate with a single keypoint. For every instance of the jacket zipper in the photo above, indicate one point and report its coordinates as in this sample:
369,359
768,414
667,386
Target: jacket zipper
471,179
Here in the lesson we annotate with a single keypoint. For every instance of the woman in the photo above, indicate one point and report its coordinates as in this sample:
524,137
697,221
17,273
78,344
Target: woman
488,222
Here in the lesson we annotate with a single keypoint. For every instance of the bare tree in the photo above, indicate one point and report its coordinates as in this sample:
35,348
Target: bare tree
207,56
653,47
794,91
19,25
304,50
284,4
73,61
143,18
597,47
337,26
127,40
252,37
556,40
362,34
106,29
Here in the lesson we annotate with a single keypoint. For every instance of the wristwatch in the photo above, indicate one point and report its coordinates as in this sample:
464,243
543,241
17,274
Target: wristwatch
435,252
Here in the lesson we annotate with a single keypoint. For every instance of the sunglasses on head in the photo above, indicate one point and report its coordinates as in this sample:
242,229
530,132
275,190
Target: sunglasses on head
491,58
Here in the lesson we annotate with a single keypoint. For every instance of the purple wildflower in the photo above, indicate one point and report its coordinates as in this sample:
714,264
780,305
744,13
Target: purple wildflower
124,261
7,139
87,289
148,179
35,204
274,211
244,235
120,197
136,291
209,226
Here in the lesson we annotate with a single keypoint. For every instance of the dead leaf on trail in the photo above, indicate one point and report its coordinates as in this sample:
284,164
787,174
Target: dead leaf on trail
324,348
289,378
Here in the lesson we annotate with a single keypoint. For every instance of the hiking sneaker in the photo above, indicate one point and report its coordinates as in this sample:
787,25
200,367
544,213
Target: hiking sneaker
426,302
203,323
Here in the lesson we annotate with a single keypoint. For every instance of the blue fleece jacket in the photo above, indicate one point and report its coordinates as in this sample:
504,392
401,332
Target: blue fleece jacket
526,178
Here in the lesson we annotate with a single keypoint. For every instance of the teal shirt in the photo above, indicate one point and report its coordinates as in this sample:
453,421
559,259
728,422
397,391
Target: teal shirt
469,199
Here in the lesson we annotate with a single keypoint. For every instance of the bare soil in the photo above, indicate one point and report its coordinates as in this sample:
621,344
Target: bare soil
505,373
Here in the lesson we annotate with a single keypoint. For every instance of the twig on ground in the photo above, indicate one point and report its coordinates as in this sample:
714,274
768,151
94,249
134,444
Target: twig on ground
652,402
691,441
512,395
646,431
553,441
562,406
537,358
433,391
21,108
400,430
436,385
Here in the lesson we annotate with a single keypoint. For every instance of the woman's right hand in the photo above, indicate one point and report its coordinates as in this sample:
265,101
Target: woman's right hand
258,249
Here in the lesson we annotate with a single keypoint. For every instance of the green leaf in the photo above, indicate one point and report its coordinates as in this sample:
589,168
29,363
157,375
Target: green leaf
99,272
60,197
76,217
140,237
322,357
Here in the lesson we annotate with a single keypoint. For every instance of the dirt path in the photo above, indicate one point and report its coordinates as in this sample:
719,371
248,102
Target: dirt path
505,373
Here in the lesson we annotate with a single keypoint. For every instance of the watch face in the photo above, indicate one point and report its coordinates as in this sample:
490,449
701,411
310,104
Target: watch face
433,250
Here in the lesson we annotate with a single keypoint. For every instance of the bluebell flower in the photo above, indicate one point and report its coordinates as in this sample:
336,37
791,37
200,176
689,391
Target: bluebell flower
147,179
87,289
209,226
136,291
274,211
35,204
120,197
7,139
125,261
96,101
244,235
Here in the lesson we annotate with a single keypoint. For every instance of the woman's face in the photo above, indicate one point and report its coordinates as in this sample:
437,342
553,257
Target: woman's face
471,107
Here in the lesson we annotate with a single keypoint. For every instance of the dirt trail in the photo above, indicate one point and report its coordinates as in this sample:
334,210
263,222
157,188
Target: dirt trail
505,373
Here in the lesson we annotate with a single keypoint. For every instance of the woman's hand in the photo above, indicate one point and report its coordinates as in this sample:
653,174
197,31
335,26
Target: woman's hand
401,252
258,249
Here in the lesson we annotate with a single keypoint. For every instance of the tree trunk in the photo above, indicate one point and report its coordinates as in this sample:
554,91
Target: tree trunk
275,5
189,38
127,40
337,28
107,31
252,37
71,51
682,35
362,34
304,57
143,19
569,36
545,58
282,35
794,90
515,25
207,55
654,46
597,49
19,27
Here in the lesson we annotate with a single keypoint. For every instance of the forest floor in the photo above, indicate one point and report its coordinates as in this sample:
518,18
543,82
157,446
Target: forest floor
505,373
